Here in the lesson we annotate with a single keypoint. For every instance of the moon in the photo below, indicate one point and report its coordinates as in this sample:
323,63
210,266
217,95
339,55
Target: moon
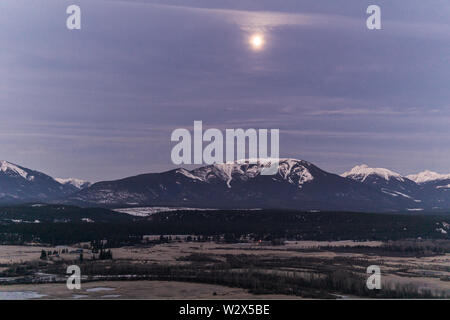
257,41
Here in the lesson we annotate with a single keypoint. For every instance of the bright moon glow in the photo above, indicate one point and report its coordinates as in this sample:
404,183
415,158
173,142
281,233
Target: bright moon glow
256,41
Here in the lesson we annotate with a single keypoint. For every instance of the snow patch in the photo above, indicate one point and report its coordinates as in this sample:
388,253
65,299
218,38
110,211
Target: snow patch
20,295
77,183
148,211
99,289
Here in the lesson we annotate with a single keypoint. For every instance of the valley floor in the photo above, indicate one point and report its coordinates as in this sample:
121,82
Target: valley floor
131,290
204,270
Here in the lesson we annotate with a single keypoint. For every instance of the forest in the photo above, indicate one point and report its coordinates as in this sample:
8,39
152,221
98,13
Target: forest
59,225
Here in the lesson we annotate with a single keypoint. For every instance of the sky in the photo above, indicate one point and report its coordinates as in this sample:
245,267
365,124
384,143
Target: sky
100,103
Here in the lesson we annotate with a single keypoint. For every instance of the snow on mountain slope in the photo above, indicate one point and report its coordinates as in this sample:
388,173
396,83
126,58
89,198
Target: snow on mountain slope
293,170
14,170
435,188
77,183
362,172
427,176
387,181
19,184
297,185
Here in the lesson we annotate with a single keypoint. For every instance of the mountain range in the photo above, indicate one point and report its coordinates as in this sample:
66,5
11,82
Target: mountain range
20,185
298,185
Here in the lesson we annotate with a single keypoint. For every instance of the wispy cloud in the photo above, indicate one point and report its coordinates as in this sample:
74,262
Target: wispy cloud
102,102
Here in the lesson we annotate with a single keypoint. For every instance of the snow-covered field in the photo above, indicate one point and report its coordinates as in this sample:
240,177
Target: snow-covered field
148,211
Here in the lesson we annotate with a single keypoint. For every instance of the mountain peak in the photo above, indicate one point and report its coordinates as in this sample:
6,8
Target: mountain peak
19,184
8,167
427,176
77,183
362,172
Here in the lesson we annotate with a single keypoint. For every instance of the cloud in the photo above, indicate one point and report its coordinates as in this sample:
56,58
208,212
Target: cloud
101,103
261,19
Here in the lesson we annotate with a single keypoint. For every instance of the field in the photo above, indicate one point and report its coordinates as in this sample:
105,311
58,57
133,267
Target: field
131,290
190,269
221,254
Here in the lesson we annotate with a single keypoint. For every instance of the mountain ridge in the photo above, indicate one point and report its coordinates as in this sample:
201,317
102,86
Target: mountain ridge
20,185
298,184
427,176
79,184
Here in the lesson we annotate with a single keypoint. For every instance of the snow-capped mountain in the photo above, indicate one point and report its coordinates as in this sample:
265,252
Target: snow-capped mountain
19,184
428,176
363,172
78,184
436,188
387,181
297,185
291,170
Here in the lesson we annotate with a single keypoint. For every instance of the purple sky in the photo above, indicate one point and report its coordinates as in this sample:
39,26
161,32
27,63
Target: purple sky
101,103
